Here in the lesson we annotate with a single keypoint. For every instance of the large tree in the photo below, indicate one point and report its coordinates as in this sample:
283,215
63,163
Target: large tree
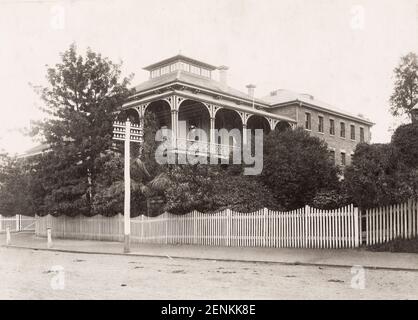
376,177
81,100
296,167
405,93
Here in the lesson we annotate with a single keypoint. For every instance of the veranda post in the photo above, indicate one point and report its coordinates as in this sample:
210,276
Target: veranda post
128,133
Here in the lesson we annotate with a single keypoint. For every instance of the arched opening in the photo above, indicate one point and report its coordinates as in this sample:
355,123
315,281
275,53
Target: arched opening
258,122
132,114
193,115
162,111
193,126
229,120
282,126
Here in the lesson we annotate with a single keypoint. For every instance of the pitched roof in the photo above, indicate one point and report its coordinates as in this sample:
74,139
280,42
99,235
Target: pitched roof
180,57
281,96
195,80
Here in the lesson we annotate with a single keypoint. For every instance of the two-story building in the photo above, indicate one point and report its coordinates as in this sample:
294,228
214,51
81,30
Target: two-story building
182,89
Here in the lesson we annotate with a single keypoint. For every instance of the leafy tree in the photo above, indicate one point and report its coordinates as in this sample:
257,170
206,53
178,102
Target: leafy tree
376,177
405,141
148,179
330,199
81,100
405,94
209,188
296,167
190,187
242,194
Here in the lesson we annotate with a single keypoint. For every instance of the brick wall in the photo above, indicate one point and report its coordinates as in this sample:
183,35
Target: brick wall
335,142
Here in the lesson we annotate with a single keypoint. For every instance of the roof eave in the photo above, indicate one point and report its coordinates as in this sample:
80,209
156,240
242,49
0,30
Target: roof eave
257,102
370,123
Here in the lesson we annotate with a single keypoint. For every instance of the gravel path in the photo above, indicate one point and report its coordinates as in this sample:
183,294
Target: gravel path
29,274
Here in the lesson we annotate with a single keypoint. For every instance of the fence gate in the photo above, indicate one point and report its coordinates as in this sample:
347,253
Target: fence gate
17,223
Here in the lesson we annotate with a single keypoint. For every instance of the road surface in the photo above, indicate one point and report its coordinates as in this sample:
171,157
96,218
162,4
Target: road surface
36,274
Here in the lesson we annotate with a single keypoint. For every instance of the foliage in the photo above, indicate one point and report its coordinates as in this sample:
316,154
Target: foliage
15,187
81,100
330,199
147,177
377,178
296,167
242,194
209,188
405,142
405,94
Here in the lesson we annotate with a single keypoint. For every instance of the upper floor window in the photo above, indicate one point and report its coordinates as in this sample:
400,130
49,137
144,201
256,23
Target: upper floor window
331,127
320,123
361,134
155,73
184,66
195,70
342,130
165,70
205,72
308,125
352,132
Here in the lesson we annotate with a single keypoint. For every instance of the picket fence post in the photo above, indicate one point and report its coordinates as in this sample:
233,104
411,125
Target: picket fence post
228,227
306,233
357,232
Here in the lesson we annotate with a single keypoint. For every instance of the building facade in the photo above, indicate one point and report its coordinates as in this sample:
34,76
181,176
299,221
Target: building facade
183,90
341,130
183,93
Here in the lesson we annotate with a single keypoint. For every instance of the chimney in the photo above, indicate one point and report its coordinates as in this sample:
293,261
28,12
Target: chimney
251,88
223,75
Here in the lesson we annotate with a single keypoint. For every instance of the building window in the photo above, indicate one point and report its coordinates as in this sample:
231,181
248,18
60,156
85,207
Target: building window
195,70
320,123
184,66
331,127
332,155
343,160
308,121
173,67
205,73
155,73
165,70
342,130
352,132
361,134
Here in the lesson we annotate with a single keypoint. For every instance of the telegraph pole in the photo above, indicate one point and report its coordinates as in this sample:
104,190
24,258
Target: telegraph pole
128,133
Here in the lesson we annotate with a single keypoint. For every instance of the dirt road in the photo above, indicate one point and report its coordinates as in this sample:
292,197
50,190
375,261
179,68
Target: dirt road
34,274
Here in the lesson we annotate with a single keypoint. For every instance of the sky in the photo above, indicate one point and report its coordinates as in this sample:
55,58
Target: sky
341,51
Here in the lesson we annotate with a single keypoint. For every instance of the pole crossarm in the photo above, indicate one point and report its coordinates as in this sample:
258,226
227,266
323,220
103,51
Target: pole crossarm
136,132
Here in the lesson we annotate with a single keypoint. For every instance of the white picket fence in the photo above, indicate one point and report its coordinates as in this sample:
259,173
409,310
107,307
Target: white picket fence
17,223
304,228
387,223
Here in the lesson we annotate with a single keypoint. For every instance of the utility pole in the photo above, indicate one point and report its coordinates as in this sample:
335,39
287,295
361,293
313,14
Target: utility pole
128,133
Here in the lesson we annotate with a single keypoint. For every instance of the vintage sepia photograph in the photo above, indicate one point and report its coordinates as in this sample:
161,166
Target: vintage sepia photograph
209,150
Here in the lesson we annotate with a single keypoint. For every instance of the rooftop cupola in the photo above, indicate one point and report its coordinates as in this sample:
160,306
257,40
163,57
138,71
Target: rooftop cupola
180,63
